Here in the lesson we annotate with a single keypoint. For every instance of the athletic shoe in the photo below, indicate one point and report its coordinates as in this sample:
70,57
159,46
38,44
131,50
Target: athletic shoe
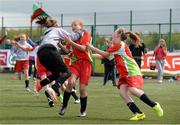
157,108
83,114
28,89
38,86
77,101
138,116
62,111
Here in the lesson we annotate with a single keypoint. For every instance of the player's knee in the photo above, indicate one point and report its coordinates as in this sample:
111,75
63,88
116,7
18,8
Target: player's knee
83,91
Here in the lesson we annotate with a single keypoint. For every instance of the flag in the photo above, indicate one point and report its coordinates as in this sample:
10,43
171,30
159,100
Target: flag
37,11
2,39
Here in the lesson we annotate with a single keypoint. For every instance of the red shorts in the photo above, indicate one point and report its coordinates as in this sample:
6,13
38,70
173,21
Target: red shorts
21,65
41,70
82,69
134,81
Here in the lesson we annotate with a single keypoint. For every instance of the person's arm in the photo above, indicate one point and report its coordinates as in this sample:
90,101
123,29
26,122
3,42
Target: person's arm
97,56
64,49
155,50
73,36
164,51
98,51
77,46
29,48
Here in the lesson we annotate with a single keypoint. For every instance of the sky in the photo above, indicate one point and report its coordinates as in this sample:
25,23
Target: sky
17,12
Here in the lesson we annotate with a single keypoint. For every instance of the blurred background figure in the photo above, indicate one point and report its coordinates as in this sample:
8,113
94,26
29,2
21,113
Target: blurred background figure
137,47
109,65
160,53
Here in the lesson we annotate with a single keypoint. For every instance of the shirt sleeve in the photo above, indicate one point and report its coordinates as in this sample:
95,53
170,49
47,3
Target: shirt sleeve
75,36
63,33
86,38
114,48
155,50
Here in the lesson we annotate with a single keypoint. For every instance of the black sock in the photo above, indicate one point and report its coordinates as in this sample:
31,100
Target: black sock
83,101
147,100
66,99
47,95
26,83
132,106
74,95
56,87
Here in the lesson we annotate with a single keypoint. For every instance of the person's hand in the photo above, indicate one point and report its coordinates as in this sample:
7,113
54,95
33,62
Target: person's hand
6,33
89,45
67,39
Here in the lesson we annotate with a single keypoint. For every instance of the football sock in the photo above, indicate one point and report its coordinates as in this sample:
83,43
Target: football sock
47,94
83,101
132,106
26,83
147,100
66,98
56,87
74,95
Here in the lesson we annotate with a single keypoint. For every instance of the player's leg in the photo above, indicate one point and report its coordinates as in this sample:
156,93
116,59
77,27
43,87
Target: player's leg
26,80
85,75
74,95
67,93
25,67
123,92
106,74
140,94
83,99
113,75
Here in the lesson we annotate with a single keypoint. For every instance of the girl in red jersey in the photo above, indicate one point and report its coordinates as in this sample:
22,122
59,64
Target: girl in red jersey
81,68
160,53
130,79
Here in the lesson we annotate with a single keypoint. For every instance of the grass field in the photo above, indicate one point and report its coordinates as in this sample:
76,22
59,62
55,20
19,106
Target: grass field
104,105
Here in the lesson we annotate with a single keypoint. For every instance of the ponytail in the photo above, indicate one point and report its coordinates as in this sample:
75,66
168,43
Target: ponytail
45,21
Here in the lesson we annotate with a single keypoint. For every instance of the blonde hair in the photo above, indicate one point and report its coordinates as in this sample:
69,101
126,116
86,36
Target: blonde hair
79,22
122,33
136,38
163,43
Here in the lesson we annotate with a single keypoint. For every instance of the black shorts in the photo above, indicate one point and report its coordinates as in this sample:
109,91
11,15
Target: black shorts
50,58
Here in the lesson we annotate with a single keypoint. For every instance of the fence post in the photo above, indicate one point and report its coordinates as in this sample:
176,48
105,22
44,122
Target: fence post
159,31
170,30
94,40
61,20
30,31
2,25
3,31
130,20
